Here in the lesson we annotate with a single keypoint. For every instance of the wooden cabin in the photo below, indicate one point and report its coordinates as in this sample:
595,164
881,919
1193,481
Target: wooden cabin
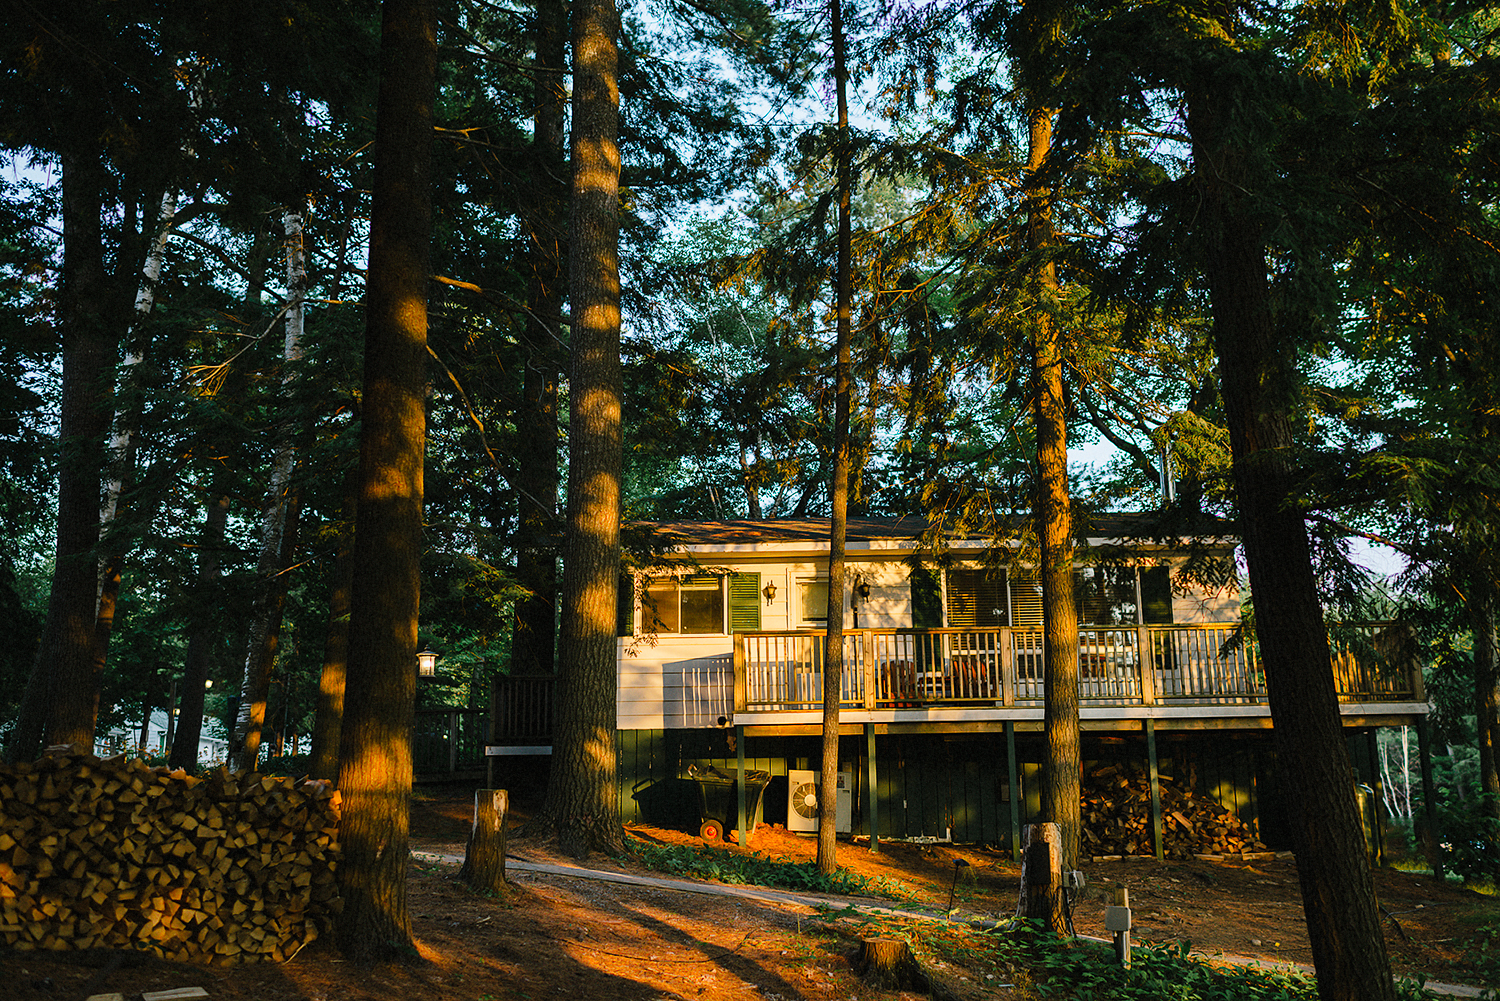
721,663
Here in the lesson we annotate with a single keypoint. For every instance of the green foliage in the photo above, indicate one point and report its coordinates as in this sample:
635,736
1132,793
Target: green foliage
1482,953
1470,835
1086,971
757,870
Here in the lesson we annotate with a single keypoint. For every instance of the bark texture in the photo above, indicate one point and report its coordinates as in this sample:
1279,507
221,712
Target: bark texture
328,719
1343,924
1063,772
375,750
544,220
277,535
62,695
581,806
184,751
838,486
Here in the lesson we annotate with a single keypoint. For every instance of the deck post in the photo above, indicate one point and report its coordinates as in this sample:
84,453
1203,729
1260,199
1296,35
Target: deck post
741,699
1015,791
867,664
872,796
1429,797
739,780
1146,658
1007,668
1156,831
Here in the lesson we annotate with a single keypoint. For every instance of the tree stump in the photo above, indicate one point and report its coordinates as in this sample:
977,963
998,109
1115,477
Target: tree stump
889,964
484,856
1041,876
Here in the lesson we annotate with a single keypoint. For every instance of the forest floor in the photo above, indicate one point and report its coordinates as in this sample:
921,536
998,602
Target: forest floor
554,935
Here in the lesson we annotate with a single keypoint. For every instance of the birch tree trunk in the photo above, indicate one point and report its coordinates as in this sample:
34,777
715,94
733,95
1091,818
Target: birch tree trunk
838,487
281,500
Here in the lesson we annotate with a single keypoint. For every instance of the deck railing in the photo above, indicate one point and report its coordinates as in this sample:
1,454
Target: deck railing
1213,664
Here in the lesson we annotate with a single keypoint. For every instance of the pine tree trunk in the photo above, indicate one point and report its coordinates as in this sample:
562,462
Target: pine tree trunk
328,718
1062,773
1343,925
582,805
1486,674
62,695
375,752
838,487
184,752
544,217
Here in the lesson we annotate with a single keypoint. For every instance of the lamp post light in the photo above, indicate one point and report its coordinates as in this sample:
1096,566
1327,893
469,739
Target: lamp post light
427,663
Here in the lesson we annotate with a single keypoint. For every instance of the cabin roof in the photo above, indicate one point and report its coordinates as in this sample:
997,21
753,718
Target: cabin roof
892,532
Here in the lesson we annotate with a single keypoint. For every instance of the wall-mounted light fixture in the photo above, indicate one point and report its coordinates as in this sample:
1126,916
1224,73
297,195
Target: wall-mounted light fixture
769,591
427,663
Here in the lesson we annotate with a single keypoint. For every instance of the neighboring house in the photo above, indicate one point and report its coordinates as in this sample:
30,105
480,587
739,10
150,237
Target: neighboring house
720,660
211,750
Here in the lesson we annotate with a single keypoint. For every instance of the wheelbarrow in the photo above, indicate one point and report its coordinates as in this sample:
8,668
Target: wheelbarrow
718,798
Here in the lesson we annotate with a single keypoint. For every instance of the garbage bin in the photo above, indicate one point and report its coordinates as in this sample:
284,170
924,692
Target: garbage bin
718,798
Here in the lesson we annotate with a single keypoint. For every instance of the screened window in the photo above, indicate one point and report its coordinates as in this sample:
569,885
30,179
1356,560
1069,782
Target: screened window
1106,596
977,599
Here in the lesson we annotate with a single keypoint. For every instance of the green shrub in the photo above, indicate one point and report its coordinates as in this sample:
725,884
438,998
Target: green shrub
757,870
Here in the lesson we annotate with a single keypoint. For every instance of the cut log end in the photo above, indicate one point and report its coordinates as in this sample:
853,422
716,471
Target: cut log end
888,963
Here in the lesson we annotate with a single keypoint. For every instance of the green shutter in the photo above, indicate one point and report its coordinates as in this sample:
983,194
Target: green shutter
625,606
926,600
744,601
1156,595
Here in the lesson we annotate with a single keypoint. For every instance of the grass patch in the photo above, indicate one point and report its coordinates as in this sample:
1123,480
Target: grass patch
757,870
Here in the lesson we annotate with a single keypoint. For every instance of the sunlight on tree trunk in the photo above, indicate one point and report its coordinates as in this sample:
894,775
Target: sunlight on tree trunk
582,806
375,750
838,488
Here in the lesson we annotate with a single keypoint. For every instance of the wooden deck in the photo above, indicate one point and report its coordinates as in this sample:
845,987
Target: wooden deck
1185,677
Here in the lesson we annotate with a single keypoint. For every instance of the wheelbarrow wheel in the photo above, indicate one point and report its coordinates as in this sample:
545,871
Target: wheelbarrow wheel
711,830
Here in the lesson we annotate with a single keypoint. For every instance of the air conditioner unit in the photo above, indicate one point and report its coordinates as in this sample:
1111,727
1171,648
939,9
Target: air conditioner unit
802,801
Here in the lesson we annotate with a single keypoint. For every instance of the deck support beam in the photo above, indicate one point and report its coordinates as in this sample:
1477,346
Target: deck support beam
872,797
1015,791
739,781
1156,831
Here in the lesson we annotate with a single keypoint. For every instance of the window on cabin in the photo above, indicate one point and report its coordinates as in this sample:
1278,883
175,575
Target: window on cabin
690,605
1156,596
977,599
1106,596
926,599
812,601
1025,603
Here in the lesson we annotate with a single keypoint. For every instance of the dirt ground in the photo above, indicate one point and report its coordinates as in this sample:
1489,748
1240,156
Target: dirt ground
563,936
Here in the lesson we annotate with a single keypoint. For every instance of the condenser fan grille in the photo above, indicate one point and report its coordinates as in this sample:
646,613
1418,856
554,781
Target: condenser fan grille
805,800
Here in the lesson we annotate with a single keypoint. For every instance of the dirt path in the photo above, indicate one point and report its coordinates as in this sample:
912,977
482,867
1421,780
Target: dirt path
560,936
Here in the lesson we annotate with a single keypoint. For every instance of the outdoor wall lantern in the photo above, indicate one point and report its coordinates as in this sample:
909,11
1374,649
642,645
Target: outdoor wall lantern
769,591
861,592
427,663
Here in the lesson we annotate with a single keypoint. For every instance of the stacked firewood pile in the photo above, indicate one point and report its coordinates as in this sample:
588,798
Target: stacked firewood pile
1117,818
116,854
